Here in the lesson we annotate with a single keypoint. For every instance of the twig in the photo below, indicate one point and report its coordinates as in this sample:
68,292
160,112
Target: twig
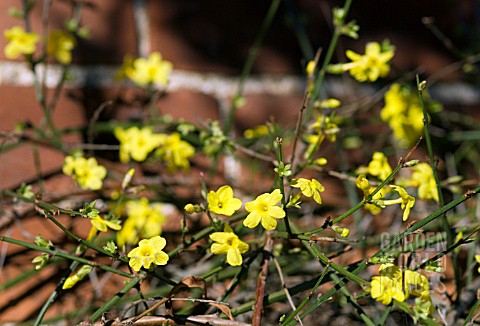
252,153
261,281
285,289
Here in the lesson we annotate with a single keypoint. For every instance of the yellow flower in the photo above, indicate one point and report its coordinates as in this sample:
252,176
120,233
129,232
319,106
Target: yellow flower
384,289
256,132
344,232
152,70
222,201
228,243
60,45
126,70
148,252
263,209
406,201
136,143
20,42
144,221
395,284
72,280
477,258
322,127
101,225
422,177
363,184
379,166
403,113
309,188
86,172
374,209
175,152
417,285
370,66
330,103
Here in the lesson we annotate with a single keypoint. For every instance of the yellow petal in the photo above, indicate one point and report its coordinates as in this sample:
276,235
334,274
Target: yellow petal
252,220
160,258
234,258
220,237
269,223
219,248
276,212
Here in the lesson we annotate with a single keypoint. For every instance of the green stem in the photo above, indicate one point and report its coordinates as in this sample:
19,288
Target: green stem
65,256
281,185
203,233
328,57
446,225
113,301
324,259
252,56
53,296
367,320
360,204
363,265
292,316
84,242
275,296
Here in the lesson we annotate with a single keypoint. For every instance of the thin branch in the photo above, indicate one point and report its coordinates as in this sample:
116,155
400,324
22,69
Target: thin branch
262,281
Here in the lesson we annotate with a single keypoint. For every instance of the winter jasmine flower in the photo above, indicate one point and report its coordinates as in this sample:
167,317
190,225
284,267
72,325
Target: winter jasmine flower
19,42
422,177
228,243
310,188
148,251
60,45
222,201
86,172
370,66
264,209
136,143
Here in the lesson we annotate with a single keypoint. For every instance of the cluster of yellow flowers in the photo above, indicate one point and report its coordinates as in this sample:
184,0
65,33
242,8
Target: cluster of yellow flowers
146,71
257,132
403,113
369,66
263,210
86,172
138,143
422,178
59,44
144,220
395,284
322,128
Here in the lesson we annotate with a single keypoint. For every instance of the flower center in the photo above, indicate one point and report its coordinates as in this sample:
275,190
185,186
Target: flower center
146,251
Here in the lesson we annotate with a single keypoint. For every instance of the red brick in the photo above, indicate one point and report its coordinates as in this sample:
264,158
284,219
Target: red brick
19,105
193,107
261,108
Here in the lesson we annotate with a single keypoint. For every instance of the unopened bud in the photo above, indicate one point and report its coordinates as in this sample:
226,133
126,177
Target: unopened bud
128,178
344,232
42,242
422,85
362,182
190,208
411,163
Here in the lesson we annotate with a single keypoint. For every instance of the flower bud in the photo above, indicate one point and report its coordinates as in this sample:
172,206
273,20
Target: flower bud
128,178
344,232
